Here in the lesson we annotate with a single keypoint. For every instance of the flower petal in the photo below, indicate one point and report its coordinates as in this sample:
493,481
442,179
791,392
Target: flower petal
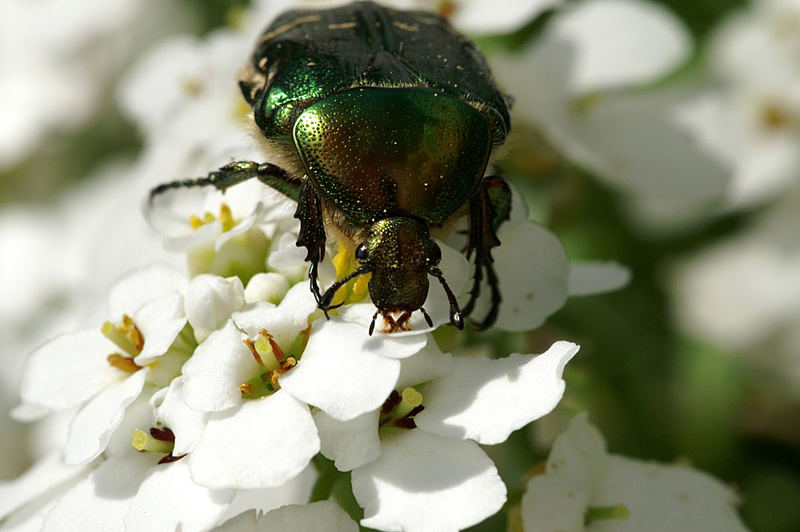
423,481
588,278
486,399
263,443
533,270
344,372
294,491
168,499
101,501
143,285
69,370
619,43
428,364
43,476
349,444
283,322
159,321
503,16
322,515
218,366
172,412
96,421
210,301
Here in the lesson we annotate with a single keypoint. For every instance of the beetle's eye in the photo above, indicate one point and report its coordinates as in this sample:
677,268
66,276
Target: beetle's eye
436,255
361,252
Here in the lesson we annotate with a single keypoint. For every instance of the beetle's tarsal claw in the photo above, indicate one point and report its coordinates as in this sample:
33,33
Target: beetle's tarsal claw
456,320
372,325
426,316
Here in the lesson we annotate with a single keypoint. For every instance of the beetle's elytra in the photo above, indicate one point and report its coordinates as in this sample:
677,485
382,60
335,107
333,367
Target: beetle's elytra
383,122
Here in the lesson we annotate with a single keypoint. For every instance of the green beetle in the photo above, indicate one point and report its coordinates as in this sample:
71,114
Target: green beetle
383,122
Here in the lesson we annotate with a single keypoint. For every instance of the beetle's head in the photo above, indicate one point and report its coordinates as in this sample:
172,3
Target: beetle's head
400,255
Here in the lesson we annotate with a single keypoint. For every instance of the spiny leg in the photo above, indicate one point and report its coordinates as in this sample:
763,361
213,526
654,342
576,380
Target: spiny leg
237,172
489,208
312,235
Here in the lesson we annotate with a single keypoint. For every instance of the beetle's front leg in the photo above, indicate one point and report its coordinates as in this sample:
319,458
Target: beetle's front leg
312,233
238,172
488,209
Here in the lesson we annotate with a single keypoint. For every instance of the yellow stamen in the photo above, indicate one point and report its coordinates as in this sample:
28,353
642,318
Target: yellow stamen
195,222
226,217
341,261
286,365
409,400
143,442
123,363
125,335
361,285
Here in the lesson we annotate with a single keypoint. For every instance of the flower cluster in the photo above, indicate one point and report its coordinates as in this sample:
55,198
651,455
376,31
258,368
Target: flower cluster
218,395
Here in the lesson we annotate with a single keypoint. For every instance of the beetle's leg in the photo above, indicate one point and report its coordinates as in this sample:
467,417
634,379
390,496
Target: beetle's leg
489,208
312,234
237,172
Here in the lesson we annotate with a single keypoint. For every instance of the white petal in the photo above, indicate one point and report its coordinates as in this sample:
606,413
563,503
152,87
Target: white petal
486,399
143,285
44,476
283,322
501,16
159,321
349,444
620,42
93,425
533,270
241,227
263,443
322,515
101,501
428,364
294,491
691,500
424,482
210,301
636,141
553,504
172,412
343,371
68,370
138,415
218,366
168,499
588,278
269,287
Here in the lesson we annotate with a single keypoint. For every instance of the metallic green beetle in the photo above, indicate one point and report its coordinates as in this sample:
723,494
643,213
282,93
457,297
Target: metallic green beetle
383,122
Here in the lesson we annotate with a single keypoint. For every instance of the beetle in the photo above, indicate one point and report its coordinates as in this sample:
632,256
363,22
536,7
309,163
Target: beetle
381,123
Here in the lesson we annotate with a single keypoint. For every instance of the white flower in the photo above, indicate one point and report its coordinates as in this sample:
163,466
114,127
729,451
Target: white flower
104,372
585,488
752,119
573,84
435,476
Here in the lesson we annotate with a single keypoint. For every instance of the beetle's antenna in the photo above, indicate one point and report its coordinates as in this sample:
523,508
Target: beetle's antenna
327,298
455,312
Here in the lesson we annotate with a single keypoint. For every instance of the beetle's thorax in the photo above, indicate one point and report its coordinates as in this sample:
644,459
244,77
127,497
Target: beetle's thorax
399,253
375,152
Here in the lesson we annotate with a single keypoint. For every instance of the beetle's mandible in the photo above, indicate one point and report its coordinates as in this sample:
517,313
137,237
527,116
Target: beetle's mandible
381,123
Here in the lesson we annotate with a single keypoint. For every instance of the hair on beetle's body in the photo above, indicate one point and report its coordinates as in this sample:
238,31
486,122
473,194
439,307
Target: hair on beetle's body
380,124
